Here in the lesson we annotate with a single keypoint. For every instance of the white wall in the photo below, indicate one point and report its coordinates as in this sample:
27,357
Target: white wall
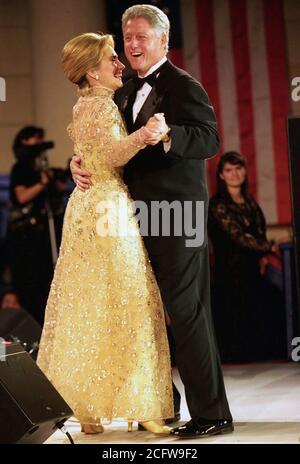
53,23
32,34
15,67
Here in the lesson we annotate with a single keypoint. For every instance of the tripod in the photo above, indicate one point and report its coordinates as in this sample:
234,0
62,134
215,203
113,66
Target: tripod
42,165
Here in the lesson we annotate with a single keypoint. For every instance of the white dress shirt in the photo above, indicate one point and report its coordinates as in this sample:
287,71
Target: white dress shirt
144,91
142,95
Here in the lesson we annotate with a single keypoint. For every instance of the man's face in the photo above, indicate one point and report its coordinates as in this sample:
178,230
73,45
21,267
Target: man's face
143,45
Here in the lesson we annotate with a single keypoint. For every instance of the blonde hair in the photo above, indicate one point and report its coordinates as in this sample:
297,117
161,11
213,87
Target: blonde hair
155,17
82,53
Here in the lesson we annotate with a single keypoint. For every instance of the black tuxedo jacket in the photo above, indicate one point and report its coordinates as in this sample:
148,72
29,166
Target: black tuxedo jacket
178,174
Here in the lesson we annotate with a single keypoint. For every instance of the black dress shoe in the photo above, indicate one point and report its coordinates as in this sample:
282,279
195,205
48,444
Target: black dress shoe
203,428
171,420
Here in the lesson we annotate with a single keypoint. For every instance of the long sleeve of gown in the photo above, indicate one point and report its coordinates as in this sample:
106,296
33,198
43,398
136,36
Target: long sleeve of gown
97,120
227,221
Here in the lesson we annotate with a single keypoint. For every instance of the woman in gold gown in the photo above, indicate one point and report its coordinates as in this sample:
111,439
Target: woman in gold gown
104,343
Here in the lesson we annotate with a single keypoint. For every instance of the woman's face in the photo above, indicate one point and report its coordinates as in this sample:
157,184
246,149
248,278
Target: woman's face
110,70
233,175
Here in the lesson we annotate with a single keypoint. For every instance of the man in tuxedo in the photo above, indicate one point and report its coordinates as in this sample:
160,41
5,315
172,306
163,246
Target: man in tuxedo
174,170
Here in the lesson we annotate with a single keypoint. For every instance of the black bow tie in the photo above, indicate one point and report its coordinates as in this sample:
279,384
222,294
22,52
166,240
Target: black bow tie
140,81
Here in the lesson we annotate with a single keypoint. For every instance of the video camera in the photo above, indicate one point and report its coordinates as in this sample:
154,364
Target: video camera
41,160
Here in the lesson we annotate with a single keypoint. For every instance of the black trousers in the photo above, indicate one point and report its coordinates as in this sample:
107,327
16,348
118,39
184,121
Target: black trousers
183,277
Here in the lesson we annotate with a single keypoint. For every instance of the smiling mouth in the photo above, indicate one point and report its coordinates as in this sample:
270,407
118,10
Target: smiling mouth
136,54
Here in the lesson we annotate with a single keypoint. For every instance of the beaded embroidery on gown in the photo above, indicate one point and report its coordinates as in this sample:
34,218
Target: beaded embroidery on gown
104,345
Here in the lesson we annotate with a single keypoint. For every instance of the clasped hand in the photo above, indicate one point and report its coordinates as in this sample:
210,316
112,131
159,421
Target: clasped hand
150,134
154,130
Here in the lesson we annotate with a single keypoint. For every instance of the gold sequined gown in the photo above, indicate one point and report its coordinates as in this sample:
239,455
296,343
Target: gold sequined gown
104,343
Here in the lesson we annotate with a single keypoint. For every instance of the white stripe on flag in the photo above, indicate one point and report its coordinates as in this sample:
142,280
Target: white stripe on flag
190,37
226,72
266,191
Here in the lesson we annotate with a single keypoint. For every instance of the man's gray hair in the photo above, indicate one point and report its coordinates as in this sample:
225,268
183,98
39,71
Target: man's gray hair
155,17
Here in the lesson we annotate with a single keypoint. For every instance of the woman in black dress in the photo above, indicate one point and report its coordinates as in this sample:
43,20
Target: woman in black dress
247,314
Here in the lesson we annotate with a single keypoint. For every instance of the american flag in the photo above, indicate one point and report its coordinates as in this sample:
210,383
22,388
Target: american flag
237,50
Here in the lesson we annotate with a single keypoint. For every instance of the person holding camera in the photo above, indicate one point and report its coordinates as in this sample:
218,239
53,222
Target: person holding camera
28,230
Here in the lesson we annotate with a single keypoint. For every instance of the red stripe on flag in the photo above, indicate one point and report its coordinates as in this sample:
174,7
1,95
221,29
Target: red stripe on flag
209,71
241,58
276,54
176,56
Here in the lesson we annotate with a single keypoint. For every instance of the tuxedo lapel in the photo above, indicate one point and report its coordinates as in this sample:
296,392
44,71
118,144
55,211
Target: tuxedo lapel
124,100
150,107
154,100
125,106
152,103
